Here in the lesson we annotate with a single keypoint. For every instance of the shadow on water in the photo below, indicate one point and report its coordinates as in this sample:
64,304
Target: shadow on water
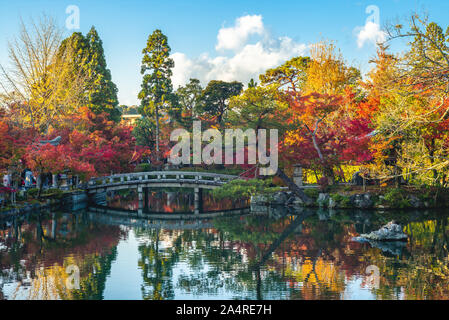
284,254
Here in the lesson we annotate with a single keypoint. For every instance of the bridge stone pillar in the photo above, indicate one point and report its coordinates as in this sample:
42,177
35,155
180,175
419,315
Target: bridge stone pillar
170,197
53,226
198,200
54,180
146,198
140,193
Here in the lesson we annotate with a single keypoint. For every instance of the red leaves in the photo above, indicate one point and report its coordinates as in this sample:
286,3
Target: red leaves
90,145
6,144
46,158
7,190
110,150
13,141
313,107
315,134
337,126
356,140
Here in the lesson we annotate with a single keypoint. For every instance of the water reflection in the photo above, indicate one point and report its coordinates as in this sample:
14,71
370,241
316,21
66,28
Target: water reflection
177,200
305,256
35,251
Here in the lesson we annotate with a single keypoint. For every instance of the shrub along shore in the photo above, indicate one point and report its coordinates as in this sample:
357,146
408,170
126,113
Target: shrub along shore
352,197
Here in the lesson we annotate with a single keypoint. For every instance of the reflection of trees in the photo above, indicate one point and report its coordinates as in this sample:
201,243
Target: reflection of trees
216,265
235,258
422,271
157,265
211,203
317,259
320,259
40,247
242,257
297,256
94,271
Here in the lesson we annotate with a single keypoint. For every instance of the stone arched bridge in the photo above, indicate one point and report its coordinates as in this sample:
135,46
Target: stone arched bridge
159,179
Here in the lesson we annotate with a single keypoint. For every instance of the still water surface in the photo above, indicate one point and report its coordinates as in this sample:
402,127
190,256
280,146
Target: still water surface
307,255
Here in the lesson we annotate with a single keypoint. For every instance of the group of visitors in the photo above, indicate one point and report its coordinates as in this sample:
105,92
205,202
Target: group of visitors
27,180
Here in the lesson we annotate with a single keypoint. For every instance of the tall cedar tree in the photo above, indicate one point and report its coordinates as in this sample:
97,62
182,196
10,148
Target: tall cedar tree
157,88
102,94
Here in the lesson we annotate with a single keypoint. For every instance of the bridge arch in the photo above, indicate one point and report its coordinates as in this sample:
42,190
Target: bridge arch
159,179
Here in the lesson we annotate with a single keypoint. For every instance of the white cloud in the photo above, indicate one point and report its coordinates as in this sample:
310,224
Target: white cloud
370,32
248,59
234,38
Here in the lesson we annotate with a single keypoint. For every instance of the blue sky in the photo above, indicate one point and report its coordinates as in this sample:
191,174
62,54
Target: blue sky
227,40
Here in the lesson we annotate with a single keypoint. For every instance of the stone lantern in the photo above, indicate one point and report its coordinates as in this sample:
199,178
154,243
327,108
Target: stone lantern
297,175
54,142
64,181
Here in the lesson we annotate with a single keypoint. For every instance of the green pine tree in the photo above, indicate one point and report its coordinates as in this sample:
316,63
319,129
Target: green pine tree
89,64
187,103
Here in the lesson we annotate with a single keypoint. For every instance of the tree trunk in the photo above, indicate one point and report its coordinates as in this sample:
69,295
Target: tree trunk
317,148
397,178
293,187
328,172
40,182
432,161
256,172
157,133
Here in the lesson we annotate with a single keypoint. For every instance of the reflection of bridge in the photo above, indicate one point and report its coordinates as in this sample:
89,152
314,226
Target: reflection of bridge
159,179
150,223
138,214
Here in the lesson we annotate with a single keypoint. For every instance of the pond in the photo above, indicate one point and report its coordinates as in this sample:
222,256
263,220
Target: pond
294,255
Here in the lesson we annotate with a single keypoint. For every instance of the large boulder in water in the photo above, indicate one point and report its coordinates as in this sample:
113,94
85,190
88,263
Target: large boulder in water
389,232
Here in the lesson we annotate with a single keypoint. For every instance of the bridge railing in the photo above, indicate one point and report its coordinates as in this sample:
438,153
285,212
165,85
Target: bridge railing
172,176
